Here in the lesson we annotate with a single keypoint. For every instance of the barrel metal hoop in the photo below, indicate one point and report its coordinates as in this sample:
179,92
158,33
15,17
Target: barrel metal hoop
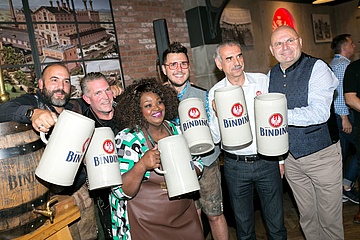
25,207
7,128
23,229
21,150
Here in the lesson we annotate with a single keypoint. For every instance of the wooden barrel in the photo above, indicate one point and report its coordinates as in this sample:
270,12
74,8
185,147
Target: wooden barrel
20,152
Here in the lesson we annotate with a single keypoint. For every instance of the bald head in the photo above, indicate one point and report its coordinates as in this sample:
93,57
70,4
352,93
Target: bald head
285,46
283,29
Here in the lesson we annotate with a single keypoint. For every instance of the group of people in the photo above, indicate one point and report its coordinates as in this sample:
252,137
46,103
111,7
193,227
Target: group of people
146,112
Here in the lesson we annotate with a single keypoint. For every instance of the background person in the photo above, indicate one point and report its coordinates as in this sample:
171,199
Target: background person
352,98
313,167
244,170
177,70
344,49
140,207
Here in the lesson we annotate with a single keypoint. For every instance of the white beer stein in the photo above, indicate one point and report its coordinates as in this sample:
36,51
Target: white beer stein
65,148
271,124
233,117
102,165
195,126
178,166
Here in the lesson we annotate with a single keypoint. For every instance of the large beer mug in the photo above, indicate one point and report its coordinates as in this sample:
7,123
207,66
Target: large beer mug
195,126
233,117
271,124
178,166
65,148
102,165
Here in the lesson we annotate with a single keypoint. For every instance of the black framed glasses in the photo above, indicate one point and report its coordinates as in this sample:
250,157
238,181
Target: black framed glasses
175,65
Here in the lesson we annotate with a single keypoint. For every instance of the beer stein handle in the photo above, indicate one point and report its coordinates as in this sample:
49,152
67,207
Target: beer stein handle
43,138
159,171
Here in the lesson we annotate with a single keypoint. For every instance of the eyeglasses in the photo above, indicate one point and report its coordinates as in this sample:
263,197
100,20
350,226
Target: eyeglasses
290,41
174,65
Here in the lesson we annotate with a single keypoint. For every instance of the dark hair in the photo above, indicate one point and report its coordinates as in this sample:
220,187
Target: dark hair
92,76
128,111
53,64
175,47
338,41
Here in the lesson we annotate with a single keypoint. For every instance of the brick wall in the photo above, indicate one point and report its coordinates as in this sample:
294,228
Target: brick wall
134,27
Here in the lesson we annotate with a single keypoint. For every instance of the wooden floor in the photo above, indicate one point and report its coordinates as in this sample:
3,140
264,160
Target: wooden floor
352,230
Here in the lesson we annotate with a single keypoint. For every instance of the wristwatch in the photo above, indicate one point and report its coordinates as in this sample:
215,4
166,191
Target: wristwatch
29,113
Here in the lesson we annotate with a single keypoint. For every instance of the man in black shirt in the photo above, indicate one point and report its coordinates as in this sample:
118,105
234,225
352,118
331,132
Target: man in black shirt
352,99
97,93
41,110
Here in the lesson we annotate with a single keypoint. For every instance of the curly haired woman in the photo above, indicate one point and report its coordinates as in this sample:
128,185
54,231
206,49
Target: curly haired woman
140,207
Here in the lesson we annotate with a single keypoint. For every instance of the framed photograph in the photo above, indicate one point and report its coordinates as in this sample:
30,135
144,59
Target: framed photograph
322,28
236,24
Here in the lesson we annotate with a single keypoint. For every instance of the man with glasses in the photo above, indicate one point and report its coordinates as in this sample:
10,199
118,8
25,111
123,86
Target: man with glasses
176,68
313,167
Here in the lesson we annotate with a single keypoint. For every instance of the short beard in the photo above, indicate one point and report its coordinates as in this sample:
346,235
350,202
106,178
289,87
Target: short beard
174,84
49,96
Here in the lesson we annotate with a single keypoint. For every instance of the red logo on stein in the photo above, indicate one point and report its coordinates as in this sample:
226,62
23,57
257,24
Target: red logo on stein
108,146
237,110
276,120
194,113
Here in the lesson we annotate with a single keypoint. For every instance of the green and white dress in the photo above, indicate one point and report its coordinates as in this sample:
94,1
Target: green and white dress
150,213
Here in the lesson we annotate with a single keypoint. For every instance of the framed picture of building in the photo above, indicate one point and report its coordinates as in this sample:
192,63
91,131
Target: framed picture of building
79,33
322,28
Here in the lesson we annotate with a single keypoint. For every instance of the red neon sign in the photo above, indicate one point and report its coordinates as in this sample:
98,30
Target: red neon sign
282,17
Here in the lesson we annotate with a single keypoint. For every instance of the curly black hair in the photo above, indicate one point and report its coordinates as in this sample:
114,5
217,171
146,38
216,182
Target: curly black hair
128,111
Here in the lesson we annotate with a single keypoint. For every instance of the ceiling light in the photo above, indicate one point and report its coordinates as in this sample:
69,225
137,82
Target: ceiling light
322,1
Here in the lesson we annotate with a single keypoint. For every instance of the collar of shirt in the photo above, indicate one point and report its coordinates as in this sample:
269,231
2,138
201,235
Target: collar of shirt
181,94
246,81
342,57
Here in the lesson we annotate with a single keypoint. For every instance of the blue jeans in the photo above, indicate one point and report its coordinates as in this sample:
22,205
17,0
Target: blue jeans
241,178
350,173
